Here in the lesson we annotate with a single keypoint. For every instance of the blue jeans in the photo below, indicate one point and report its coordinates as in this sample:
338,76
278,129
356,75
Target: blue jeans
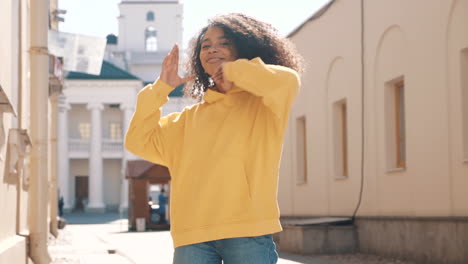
243,250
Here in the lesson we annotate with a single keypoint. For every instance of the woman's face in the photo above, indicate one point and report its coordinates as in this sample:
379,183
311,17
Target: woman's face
215,49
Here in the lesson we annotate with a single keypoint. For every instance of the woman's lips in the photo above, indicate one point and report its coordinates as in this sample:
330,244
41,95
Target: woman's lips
214,60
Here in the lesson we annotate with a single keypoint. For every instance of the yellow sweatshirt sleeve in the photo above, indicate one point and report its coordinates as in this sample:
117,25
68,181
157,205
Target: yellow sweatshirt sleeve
149,136
277,85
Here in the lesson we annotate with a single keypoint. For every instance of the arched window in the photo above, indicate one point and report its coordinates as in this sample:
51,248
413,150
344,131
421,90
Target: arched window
151,39
150,16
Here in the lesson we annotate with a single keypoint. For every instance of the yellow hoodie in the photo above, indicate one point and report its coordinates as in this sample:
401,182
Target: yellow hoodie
223,153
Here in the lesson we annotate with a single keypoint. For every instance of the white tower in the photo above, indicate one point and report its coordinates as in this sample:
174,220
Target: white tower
147,31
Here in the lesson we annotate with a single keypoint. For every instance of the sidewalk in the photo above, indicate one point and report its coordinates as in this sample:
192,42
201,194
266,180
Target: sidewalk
103,238
77,244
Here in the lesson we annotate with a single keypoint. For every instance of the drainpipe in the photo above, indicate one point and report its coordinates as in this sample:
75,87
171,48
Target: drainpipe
39,91
53,165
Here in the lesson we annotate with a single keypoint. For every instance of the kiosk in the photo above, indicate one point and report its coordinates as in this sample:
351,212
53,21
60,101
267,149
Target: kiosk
142,175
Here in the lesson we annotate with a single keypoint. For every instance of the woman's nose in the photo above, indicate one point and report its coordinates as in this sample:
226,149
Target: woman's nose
213,48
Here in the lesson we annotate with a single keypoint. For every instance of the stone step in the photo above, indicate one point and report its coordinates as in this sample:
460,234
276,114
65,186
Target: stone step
318,236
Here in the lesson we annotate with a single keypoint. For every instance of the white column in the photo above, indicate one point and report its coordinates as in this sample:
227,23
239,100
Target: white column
96,203
62,150
128,110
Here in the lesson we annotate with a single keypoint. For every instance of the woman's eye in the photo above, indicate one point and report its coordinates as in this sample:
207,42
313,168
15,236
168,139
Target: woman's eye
205,46
225,44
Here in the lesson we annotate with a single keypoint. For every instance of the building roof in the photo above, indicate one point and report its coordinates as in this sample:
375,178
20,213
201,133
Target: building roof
142,169
108,72
314,16
177,92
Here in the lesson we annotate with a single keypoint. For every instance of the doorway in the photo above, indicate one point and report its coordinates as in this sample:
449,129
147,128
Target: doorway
81,192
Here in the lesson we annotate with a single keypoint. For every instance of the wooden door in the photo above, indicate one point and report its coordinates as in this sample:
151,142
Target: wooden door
81,192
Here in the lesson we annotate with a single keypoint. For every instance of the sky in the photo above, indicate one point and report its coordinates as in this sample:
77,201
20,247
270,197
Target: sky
99,17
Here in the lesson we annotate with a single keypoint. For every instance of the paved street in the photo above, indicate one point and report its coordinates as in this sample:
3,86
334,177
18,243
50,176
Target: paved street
103,238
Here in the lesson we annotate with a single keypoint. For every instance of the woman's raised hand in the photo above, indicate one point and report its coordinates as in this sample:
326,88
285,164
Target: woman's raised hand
170,69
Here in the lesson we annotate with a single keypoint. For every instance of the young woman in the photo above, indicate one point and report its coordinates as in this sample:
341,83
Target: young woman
224,152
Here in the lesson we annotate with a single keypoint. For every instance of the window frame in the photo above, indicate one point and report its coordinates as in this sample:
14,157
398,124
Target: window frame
301,150
395,125
115,128
340,139
399,130
151,39
464,102
85,130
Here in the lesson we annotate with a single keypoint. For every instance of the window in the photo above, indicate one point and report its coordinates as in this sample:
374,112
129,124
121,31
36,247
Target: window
395,125
400,125
301,148
464,83
340,138
115,131
150,16
151,39
85,130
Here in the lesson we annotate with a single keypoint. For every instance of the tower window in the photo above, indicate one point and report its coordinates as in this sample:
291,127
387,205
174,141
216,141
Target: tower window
150,16
151,39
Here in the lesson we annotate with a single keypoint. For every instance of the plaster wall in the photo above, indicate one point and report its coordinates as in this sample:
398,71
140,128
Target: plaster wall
422,46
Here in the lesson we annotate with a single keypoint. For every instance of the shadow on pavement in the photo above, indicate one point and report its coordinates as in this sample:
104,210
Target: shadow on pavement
92,218
145,232
305,259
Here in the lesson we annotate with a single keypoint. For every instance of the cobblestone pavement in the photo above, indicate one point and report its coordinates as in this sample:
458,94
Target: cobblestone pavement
103,238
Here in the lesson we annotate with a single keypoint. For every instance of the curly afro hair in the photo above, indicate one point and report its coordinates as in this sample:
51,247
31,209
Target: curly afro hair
251,38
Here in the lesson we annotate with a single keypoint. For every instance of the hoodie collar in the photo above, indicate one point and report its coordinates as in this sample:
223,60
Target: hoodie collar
212,96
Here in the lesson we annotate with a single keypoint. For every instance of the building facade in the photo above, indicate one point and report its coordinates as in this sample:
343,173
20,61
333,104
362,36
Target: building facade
95,111
30,82
92,114
379,131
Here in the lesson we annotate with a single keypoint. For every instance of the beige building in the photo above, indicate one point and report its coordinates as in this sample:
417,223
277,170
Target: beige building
30,81
380,127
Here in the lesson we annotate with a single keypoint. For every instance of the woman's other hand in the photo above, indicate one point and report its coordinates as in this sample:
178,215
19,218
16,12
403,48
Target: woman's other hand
222,84
170,69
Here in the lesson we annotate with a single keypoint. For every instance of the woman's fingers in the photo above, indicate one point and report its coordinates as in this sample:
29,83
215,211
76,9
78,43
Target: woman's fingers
175,50
165,62
218,77
174,60
164,69
218,74
170,59
167,69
